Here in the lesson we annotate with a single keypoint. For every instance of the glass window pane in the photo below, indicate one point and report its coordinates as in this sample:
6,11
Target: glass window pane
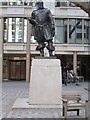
20,19
19,39
13,19
20,34
59,31
13,39
87,31
20,26
75,33
5,34
13,26
13,34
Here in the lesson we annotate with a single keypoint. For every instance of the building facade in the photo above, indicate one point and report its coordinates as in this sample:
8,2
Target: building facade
71,41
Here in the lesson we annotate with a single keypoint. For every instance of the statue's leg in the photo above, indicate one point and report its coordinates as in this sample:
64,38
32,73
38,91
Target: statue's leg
41,52
40,48
50,47
50,53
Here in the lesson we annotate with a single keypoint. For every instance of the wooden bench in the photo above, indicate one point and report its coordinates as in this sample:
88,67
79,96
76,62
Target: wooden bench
73,103
81,78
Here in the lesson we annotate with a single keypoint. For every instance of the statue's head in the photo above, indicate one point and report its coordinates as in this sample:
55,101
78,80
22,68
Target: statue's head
39,5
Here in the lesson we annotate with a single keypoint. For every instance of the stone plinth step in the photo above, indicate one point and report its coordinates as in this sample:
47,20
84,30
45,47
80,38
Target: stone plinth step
23,103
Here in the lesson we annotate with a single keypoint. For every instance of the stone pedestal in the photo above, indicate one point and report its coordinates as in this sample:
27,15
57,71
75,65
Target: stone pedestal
45,82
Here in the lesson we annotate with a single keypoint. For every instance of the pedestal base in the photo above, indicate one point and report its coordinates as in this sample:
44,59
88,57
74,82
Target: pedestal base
22,109
45,82
22,103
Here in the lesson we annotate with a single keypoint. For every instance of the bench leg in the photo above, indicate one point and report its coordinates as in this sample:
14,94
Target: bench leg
86,111
78,112
63,111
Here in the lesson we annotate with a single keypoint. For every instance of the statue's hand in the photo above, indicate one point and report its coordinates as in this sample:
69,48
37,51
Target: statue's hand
41,26
27,18
53,31
33,22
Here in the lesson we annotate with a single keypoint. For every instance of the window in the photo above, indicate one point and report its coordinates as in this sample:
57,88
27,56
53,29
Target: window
86,32
20,19
20,26
59,31
20,34
13,19
13,34
64,3
57,4
13,39
5,30
28,3
66,32
12,3
4,3
5,36
5,23
79,35
72,4
13,26
19,39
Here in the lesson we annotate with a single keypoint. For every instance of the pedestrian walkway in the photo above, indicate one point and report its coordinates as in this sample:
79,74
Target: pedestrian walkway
13,90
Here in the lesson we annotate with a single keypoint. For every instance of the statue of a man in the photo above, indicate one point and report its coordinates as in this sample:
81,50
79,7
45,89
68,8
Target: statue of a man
43,28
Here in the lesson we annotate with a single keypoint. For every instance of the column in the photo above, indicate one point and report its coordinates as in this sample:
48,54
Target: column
82,31
10,30
17,29
28,53
75,62
68,31
89,33
1,48
7,30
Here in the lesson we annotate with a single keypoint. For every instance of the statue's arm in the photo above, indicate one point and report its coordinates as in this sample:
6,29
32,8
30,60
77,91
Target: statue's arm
51,19
32,19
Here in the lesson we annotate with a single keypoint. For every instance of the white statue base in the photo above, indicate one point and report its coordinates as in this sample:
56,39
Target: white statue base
45,82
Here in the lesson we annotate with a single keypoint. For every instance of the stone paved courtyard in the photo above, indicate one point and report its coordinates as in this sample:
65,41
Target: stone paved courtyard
20,89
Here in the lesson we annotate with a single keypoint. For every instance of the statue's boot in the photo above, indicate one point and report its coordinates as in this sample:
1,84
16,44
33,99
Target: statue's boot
50,48
40,48
42,52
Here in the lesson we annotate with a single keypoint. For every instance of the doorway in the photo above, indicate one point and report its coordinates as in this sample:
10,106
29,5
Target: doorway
17,70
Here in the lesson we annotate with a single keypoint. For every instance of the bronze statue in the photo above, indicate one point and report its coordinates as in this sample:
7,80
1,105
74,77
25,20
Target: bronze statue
43,28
